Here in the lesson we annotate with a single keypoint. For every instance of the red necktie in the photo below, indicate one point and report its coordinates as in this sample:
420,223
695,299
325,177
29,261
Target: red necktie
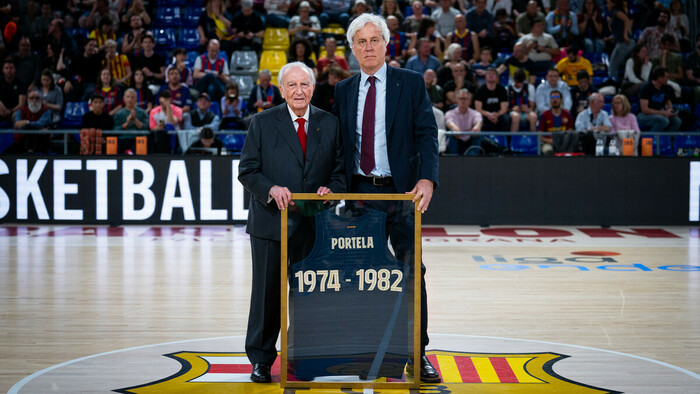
367,147
302,134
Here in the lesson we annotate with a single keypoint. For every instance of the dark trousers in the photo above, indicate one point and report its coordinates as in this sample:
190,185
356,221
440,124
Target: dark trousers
400,231
264,314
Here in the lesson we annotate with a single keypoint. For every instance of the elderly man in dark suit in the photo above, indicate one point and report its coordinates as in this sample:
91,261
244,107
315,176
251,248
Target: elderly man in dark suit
293,147
391,145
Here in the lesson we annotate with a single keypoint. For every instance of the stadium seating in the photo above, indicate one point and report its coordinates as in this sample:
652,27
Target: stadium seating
191,16
245,84
173,3
188,38
244,62
215,109
167,16
687,142
233,142
523,145
165,38
73,114
276,39
273,60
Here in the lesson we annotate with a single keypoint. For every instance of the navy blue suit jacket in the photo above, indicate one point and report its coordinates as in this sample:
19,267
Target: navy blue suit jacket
412,142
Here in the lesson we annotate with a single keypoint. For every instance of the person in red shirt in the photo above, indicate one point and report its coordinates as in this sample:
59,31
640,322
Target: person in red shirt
555,119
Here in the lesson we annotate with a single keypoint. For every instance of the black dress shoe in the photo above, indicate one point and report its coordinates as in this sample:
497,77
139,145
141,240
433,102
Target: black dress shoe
261,373
428,373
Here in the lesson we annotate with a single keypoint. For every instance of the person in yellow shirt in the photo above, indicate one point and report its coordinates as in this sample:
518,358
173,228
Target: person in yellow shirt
104,32
572,64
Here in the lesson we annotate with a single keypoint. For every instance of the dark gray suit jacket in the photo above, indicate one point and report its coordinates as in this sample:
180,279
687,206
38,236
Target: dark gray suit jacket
272,156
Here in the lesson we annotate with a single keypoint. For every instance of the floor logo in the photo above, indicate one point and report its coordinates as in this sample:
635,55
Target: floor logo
492,373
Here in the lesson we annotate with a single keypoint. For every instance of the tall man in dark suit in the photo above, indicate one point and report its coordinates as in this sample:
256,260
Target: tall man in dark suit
293,147
390,139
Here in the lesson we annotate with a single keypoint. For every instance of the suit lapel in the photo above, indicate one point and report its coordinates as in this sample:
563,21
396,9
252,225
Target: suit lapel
285,127
313,137
393,93
352,95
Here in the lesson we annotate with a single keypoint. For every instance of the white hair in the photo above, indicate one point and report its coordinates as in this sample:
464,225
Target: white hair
289,66
362,20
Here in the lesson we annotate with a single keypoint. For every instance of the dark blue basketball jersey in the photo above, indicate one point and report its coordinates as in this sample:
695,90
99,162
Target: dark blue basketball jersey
351,302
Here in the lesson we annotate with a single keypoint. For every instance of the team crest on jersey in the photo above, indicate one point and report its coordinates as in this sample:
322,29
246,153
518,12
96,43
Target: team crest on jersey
461,372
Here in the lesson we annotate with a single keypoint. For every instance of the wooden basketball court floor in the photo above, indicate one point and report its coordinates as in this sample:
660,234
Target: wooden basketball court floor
69,292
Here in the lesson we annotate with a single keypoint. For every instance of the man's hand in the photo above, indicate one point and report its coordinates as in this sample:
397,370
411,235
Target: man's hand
322,191
282,196
423,191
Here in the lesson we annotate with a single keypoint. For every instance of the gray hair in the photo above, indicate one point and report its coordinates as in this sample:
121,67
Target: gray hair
289,66
364,19
130,90
596,97
265,72
451,50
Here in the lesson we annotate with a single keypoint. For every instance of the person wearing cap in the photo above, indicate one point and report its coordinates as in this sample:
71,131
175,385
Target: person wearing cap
202,116
248,28
291,148
303,24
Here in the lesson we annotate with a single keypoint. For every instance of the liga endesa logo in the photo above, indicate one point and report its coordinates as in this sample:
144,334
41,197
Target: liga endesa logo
529,373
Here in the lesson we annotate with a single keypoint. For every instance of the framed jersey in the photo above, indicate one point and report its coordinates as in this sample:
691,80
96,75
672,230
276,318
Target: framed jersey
348,307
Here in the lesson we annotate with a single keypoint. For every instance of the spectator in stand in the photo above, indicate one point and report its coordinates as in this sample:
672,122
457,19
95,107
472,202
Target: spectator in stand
503,30
338,11
692,70
467,39
671,61
232,108
110,92
541,46
491,100
581,93
103,33
207,139
100,11
180,64
248,28
57,34
463,118
621,27
264,95
556,118
179,92
453,57
423,60
435,92
51,95
562,24
624,122
300,50
211,71
594,118
97,118
85,70
277,13
324,93
656,103
136,9
525,21
332,58
592,27
521,102
163,118
131,117
552,82
40,25
679,23
461,78
519,61
202,116
570,65
637,70
214,24
304,25
652,35
480,21
27,63
444,17
151,63
131,43
485,62
427,30
358,9
144,95
118,64
412,22
33,116
493,6
391,8
397,47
